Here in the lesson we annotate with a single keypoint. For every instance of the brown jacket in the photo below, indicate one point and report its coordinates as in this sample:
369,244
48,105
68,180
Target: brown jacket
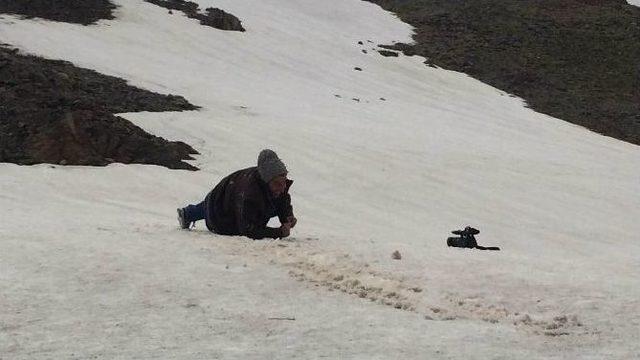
242,204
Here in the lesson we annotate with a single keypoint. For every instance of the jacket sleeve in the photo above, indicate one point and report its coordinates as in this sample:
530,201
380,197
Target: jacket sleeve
284,208
283,205
250,223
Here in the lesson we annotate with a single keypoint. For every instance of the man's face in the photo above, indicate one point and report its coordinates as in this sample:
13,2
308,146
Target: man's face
278,185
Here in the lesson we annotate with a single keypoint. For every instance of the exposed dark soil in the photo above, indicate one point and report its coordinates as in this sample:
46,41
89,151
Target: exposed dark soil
212,17
388,53
54,112
577,60
83,12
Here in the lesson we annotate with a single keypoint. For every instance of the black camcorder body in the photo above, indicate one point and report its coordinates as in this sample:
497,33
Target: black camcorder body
466,239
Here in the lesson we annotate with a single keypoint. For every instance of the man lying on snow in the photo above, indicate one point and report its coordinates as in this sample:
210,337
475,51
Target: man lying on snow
243,202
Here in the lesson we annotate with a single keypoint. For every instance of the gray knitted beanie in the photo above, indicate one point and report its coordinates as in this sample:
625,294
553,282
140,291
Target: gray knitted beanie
270,165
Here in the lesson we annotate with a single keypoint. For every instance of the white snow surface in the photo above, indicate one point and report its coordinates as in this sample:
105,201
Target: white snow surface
93,265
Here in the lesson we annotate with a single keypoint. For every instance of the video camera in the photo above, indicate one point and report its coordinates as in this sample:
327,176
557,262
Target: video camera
466,239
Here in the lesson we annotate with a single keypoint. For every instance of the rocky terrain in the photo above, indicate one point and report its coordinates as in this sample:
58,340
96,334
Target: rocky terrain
576,60
54,112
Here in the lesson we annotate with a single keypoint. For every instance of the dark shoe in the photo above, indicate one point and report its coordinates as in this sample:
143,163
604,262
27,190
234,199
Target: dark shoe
181,220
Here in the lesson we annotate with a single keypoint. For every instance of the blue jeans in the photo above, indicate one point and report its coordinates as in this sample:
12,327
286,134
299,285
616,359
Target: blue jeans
193,213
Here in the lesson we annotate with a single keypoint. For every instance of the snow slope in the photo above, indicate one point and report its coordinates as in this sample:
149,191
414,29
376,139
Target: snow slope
92,262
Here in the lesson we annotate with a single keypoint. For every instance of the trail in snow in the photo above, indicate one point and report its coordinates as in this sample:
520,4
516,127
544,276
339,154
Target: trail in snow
307,261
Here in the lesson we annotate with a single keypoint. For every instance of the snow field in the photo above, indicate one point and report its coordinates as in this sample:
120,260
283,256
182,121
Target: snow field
93,262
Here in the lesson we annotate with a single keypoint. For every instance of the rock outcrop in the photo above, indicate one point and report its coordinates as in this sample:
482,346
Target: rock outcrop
212,17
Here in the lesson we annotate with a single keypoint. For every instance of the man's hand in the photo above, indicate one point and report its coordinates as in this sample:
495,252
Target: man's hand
285,229
292,221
